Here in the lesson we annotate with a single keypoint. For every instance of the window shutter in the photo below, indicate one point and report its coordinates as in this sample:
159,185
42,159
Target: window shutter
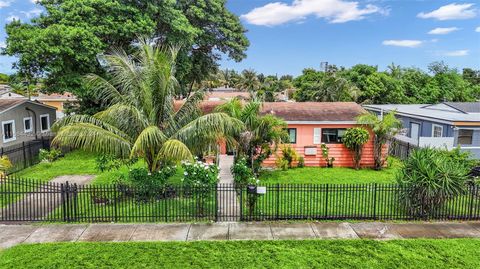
317,135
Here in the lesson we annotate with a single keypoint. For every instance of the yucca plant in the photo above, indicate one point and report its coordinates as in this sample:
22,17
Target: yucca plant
428,179
384,128
141,120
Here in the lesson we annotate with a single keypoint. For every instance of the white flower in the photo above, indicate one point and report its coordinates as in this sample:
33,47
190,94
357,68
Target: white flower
185,173
258,181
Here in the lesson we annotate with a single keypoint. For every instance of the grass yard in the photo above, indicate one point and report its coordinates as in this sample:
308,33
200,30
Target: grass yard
448,253
336,175
80,163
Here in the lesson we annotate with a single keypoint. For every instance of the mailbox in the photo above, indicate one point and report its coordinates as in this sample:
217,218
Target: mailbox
252,189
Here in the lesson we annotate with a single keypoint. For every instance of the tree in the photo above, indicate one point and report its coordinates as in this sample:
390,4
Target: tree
4,78
384,128
261,135
62,44
354,139
249,81
140,119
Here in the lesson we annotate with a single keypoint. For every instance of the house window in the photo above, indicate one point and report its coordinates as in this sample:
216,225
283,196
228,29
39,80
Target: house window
27,124
8,128
292,134
465,137
45,123
332,135
437,130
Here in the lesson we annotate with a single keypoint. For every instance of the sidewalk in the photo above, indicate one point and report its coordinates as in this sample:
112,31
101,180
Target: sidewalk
11,235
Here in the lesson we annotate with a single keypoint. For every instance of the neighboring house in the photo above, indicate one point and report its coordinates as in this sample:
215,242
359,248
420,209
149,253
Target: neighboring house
444,125
56,100
7,93
312,123
225,96
23,120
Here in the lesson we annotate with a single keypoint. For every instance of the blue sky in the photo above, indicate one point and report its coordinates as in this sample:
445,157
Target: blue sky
287,36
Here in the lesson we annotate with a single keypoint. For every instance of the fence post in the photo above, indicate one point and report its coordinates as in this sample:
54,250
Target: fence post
472,194
166,208
241,203
375,201
24,155
67,201
115,216
75,202
278,202
216,202
62,199
326,203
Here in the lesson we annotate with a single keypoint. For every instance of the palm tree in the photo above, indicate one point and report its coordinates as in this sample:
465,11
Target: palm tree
384,128
249,81
262,133
141,120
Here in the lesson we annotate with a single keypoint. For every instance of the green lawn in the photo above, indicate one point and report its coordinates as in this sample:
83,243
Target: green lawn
336,175
448,253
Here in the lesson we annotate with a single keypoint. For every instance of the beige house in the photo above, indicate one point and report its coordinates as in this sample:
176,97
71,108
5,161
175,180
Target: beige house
23,120
56,100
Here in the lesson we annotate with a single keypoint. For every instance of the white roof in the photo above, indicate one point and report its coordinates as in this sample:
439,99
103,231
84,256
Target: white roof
434,113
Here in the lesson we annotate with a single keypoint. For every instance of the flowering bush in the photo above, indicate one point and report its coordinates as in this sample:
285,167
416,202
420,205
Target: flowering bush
199,174
242,173
148,185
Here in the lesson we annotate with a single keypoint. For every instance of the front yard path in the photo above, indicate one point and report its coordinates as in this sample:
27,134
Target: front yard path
11,235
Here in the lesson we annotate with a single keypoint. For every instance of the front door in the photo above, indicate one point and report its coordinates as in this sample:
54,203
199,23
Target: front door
414,131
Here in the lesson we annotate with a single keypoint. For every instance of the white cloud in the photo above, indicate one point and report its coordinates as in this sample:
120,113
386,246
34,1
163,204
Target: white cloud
451,12
477,29
32,13
443,31
456,53
334,11
3,45
12,18
35,1
4,4
403,43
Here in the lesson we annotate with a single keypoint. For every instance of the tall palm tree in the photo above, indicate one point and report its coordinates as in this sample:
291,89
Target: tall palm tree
262,133
249,81
384,128
141,120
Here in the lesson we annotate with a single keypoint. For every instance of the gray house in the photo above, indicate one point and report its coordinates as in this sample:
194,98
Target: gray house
23,120
446,125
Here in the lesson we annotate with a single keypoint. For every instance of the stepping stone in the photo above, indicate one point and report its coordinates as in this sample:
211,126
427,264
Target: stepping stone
161,232
11,235
292,231
108,232
213,231
334,230
374,230
56,233
250,231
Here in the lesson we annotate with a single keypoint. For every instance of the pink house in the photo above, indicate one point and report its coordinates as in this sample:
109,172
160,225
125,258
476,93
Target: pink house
312,123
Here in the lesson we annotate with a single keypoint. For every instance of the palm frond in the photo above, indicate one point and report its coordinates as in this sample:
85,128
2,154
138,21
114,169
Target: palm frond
173,151
148,142
104,91
92,138
124,117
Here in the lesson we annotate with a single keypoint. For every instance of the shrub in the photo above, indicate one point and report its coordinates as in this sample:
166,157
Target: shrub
429,178
301,162
5,164
289,155
242,173
200,177
107,163
148,185
354,139
325,152
49,155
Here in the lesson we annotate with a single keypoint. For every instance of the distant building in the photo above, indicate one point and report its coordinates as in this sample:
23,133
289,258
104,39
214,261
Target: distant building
56,100
23,120
7,93
444,125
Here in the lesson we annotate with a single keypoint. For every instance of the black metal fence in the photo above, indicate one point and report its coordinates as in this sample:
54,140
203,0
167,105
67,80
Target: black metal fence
25,154
400,149
28,200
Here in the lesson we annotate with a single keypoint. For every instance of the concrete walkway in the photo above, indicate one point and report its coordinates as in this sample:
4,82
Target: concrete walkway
228,204
11,235
43,200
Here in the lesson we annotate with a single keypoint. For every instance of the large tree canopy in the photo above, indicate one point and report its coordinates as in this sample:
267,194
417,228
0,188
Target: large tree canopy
63,43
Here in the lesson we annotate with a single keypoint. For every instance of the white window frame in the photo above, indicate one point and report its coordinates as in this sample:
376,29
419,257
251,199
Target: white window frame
48,123
433,130
31,123
317,137
13,131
